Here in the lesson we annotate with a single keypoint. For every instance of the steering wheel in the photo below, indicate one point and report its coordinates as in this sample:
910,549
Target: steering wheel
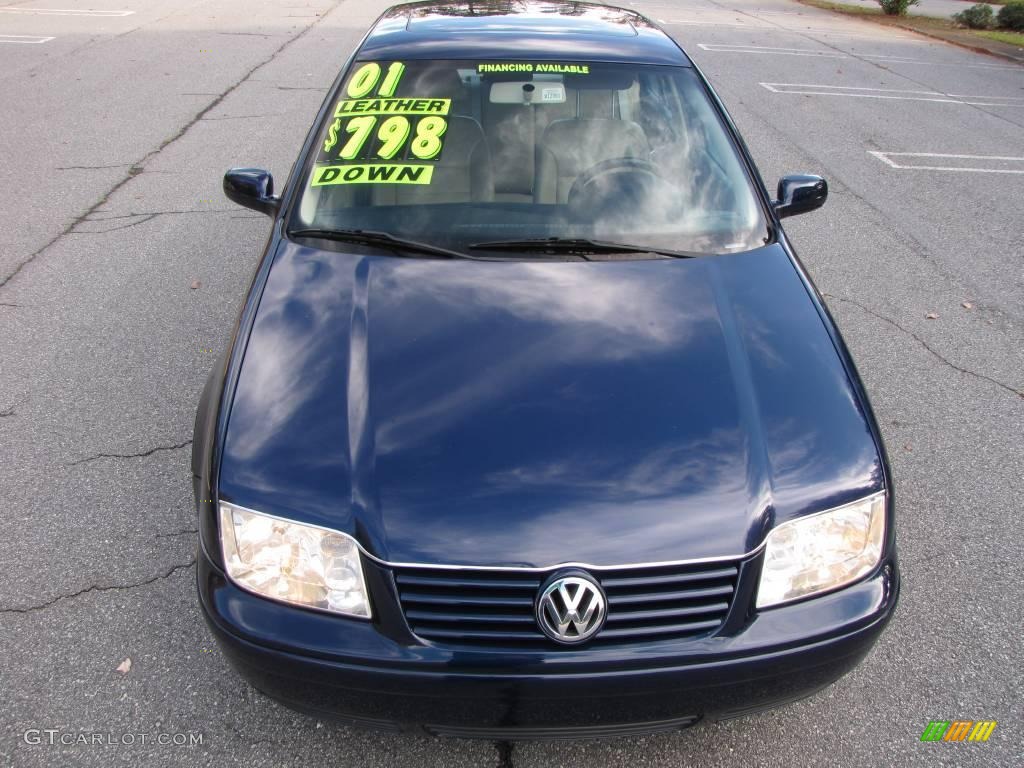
622,186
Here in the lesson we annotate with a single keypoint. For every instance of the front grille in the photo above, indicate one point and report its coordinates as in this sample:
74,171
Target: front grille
496,608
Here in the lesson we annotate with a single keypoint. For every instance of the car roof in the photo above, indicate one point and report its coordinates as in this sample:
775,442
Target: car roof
517,30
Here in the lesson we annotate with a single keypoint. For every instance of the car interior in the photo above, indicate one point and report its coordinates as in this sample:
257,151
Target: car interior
612,144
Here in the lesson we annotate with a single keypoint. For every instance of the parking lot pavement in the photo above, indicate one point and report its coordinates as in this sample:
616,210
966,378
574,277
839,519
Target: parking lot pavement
117,131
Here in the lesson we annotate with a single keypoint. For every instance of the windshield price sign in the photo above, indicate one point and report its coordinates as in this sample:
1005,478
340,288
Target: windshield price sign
372,124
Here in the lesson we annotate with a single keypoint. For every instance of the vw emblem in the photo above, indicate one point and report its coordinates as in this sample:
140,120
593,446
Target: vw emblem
571,608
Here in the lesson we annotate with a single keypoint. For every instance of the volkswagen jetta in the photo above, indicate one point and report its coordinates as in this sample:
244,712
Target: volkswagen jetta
532,424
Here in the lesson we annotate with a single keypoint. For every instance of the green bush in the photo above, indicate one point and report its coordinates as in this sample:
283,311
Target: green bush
978,16
1011,16
896,7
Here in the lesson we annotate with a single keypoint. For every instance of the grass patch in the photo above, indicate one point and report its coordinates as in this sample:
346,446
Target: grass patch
878,15
1002,35
851,10
922,23
932,22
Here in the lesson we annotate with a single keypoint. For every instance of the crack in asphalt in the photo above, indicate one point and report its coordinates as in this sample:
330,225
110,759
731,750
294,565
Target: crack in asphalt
504,753
88,167
177,533
878,64
247,737
6,413
142,218
100,39
239,117
838,187
145,217
138,166
150,452
909,239
162,213
108,588
937,355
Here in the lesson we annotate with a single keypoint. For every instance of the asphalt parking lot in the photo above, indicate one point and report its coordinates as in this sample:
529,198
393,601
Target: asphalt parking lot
122,267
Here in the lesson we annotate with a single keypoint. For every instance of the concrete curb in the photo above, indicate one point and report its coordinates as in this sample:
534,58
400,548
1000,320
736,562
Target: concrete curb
966,46
892,21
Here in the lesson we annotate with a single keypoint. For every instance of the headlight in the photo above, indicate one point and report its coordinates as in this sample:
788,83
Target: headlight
292,562
822,551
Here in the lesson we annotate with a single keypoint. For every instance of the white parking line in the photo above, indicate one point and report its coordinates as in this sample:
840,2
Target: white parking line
886,157
769,27
25,39
830,54
773,87
764,49
61,11
895,94
712,23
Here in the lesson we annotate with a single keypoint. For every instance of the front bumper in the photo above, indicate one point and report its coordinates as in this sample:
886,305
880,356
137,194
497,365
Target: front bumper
358,672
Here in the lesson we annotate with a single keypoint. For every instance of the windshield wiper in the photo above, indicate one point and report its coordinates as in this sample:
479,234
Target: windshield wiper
576,245
382,239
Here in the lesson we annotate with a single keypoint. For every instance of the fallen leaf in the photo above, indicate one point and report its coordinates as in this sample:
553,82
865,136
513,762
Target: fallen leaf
907,447
932,316
195,284
125,666
967,305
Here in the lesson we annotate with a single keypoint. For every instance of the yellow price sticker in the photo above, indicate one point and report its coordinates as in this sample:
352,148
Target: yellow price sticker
350,107
404,128
393,134
398,173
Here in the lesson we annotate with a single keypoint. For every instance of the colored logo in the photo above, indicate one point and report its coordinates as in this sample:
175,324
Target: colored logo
958,730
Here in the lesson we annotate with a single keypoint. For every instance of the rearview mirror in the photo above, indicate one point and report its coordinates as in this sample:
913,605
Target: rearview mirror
800,193
253,188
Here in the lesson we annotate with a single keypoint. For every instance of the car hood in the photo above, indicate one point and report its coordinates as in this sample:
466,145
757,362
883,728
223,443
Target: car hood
536,413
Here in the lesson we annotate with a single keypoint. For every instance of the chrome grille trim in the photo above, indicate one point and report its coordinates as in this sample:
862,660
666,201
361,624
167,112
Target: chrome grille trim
301,520
495,609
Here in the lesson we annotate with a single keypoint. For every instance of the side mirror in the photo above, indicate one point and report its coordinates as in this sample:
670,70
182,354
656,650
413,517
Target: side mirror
253,188
800,193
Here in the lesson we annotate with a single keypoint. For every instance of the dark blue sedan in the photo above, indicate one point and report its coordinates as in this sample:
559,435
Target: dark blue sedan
533,425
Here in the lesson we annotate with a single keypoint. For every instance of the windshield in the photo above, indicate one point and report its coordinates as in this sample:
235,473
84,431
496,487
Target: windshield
462,153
